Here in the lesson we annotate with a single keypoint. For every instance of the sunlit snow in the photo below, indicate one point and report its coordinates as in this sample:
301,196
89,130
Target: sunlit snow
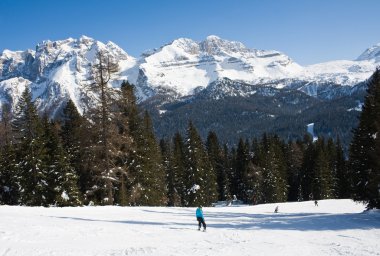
335,227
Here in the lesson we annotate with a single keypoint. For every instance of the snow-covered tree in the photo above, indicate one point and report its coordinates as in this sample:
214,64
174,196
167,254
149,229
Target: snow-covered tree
104,127
178,168
147,175
61,176
201,186
219,164
9,188
31,152
272,161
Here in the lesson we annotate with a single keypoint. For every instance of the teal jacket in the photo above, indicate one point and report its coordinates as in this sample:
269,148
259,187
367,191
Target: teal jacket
199,213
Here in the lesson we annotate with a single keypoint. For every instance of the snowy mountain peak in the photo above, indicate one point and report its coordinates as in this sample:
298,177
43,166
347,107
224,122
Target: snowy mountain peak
372,53
186,66
187,45
14,57
8,54
86,38
58,70
214,45
213,38
116,49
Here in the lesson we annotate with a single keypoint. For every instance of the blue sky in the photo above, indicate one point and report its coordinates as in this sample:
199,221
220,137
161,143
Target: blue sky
309,31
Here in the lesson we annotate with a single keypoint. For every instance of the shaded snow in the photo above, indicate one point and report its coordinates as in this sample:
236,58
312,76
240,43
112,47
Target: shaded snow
335,227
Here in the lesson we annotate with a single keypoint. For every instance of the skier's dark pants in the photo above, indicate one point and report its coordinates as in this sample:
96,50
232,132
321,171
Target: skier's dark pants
201,220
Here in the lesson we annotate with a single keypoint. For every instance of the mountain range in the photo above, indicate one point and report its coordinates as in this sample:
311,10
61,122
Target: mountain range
176,79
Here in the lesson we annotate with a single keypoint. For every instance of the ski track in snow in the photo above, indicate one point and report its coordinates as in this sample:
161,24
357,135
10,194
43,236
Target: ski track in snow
335,227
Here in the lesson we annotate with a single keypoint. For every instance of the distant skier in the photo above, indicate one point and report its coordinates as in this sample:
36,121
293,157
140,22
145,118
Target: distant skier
316,203
200,218
276,209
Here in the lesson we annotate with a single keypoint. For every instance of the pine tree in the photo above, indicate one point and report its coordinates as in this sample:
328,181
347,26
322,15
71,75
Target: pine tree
343,179
272,162
365,148
128,106
178,168
331,150
128,123
231,174
218,161
31,152
62,179
323,177
223,180
75,141
104,126
9,187
171,177
201,187
241,170
148,185
307,170
256,174
294,158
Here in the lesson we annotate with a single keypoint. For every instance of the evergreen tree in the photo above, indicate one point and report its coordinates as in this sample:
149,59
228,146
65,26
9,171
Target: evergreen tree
128,106
9,184
323,178
231,174
272,162
256,173
365,148
178,168
128,124
61,176
9,187
223,179
307,170
75,142
343,179
173,196
31,152
215,155
294,158
242,164
148,185
104,126
201,186
331,150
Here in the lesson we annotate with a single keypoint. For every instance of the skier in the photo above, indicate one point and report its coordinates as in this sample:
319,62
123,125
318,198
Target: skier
316,203
276,209
200,218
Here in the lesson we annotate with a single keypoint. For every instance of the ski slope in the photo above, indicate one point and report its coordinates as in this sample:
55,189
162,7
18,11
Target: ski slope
335,227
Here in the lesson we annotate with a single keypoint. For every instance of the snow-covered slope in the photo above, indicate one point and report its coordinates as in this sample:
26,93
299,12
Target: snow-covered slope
335,227
59,70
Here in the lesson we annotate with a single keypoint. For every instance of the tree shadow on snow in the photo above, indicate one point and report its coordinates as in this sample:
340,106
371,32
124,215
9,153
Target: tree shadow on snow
134,222
296,221
244,221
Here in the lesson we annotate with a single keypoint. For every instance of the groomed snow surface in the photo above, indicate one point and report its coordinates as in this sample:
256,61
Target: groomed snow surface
335,227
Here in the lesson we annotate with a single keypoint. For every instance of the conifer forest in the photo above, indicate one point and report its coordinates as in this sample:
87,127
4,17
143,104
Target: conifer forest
110,155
